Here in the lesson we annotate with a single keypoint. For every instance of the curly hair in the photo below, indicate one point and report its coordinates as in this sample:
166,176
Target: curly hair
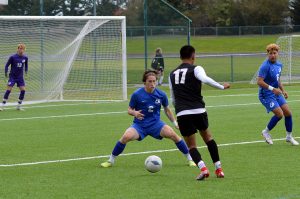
272,47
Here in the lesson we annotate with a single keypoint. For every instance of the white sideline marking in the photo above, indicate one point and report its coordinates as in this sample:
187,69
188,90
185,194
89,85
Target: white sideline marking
127,154
117,112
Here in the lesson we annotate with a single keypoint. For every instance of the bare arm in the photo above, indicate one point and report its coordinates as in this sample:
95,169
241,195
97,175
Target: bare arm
285,94
134,113
263,84
170,115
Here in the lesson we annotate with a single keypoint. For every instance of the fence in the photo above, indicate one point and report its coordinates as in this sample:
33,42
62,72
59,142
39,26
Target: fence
133,31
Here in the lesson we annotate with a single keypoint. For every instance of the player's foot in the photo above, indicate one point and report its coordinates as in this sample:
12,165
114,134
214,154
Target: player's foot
291,140
2,107
191,163
267,137
204,174
106,164
19,108
219,173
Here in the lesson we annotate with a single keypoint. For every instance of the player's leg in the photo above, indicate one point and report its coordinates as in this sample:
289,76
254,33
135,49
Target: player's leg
167,132
271,104
213,151
21,97
161,78
288,124
6,94
129,135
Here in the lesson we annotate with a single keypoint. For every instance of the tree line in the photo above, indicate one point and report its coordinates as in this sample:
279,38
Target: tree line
204,13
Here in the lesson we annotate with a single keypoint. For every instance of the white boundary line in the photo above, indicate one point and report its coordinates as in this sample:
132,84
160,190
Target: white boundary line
117,112
127,154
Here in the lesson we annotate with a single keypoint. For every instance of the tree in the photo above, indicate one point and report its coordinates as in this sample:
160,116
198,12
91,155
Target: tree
295,12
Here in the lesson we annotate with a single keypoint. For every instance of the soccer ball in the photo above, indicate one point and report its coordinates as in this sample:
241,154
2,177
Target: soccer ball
153,163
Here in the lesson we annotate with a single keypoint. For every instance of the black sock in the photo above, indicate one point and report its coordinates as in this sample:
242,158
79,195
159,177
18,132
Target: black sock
213,150
195,155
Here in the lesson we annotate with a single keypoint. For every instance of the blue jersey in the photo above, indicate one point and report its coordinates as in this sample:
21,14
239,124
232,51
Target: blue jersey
18,64
150,104
271,73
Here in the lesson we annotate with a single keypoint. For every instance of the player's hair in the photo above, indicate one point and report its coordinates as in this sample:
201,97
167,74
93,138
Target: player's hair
186,52
272,47
148,73
21,45
158,51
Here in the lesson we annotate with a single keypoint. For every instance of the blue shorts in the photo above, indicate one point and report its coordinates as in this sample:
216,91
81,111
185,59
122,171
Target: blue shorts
12,81
153,131
272,102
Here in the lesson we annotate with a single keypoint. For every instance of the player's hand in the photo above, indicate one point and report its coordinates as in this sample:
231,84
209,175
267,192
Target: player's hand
226,85
139,115
277,91
285,94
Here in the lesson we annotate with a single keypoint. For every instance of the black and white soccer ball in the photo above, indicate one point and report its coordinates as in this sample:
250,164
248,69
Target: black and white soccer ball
153,163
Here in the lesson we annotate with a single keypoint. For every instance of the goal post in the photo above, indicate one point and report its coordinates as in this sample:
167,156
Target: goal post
289,56
70,58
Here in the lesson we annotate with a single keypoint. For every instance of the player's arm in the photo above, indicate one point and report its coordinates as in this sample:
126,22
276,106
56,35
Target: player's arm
134,113
26,66
171,92
201,75
8,63
285,94
170,116
263,84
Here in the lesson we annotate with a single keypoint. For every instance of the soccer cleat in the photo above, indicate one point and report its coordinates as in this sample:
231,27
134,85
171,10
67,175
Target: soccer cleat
191,163
106,164
267,137
219,173
19,108
292,140
204,174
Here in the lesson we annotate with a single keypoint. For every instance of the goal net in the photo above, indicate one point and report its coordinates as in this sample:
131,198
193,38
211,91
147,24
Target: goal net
289,56
70,58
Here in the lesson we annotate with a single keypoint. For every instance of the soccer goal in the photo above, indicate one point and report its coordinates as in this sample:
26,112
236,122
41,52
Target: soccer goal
289,56
70,58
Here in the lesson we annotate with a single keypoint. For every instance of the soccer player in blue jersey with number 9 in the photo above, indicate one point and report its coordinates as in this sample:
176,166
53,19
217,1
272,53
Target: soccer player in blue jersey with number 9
18,63
144,106
272,94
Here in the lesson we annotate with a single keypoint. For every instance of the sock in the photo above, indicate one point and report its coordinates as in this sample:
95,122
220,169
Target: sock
213,150
7,92
119,148
201,164
196,156
112,158
218,165
161,79
182,147
274,120
288,125
21,96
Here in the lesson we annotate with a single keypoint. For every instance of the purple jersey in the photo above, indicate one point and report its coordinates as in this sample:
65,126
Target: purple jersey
18,63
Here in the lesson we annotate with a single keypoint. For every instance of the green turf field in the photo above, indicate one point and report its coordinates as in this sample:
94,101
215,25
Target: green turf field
51,151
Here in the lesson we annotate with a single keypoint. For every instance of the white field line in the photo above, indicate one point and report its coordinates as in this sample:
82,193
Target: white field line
117,112
127,154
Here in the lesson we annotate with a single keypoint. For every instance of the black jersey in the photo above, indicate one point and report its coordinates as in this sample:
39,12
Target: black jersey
186,88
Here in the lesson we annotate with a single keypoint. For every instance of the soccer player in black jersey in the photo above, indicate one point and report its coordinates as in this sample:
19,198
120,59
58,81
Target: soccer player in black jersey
185,85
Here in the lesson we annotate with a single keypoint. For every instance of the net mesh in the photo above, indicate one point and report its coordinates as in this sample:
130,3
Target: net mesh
79,59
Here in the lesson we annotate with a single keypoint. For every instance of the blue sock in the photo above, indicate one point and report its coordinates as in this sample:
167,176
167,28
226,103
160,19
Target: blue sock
288,123
274,120
21,96
119,148
182,147
7,92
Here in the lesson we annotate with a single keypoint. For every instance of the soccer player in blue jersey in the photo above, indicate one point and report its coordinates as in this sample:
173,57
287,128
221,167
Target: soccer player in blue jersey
272,94
144,106
18,63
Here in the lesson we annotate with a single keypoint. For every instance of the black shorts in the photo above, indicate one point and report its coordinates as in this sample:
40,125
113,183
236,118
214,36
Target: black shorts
189,124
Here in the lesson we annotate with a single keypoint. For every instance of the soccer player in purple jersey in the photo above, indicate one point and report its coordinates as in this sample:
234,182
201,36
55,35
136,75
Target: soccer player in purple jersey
18,63
144,106
272,94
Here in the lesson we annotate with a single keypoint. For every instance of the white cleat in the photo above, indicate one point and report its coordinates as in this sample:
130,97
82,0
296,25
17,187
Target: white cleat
19,108
267,137
291,140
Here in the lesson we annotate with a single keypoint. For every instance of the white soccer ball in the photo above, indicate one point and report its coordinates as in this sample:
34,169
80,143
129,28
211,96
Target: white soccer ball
153,163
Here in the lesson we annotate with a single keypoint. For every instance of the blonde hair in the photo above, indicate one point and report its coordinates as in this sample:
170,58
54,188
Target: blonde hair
158,50
272,47
21,45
